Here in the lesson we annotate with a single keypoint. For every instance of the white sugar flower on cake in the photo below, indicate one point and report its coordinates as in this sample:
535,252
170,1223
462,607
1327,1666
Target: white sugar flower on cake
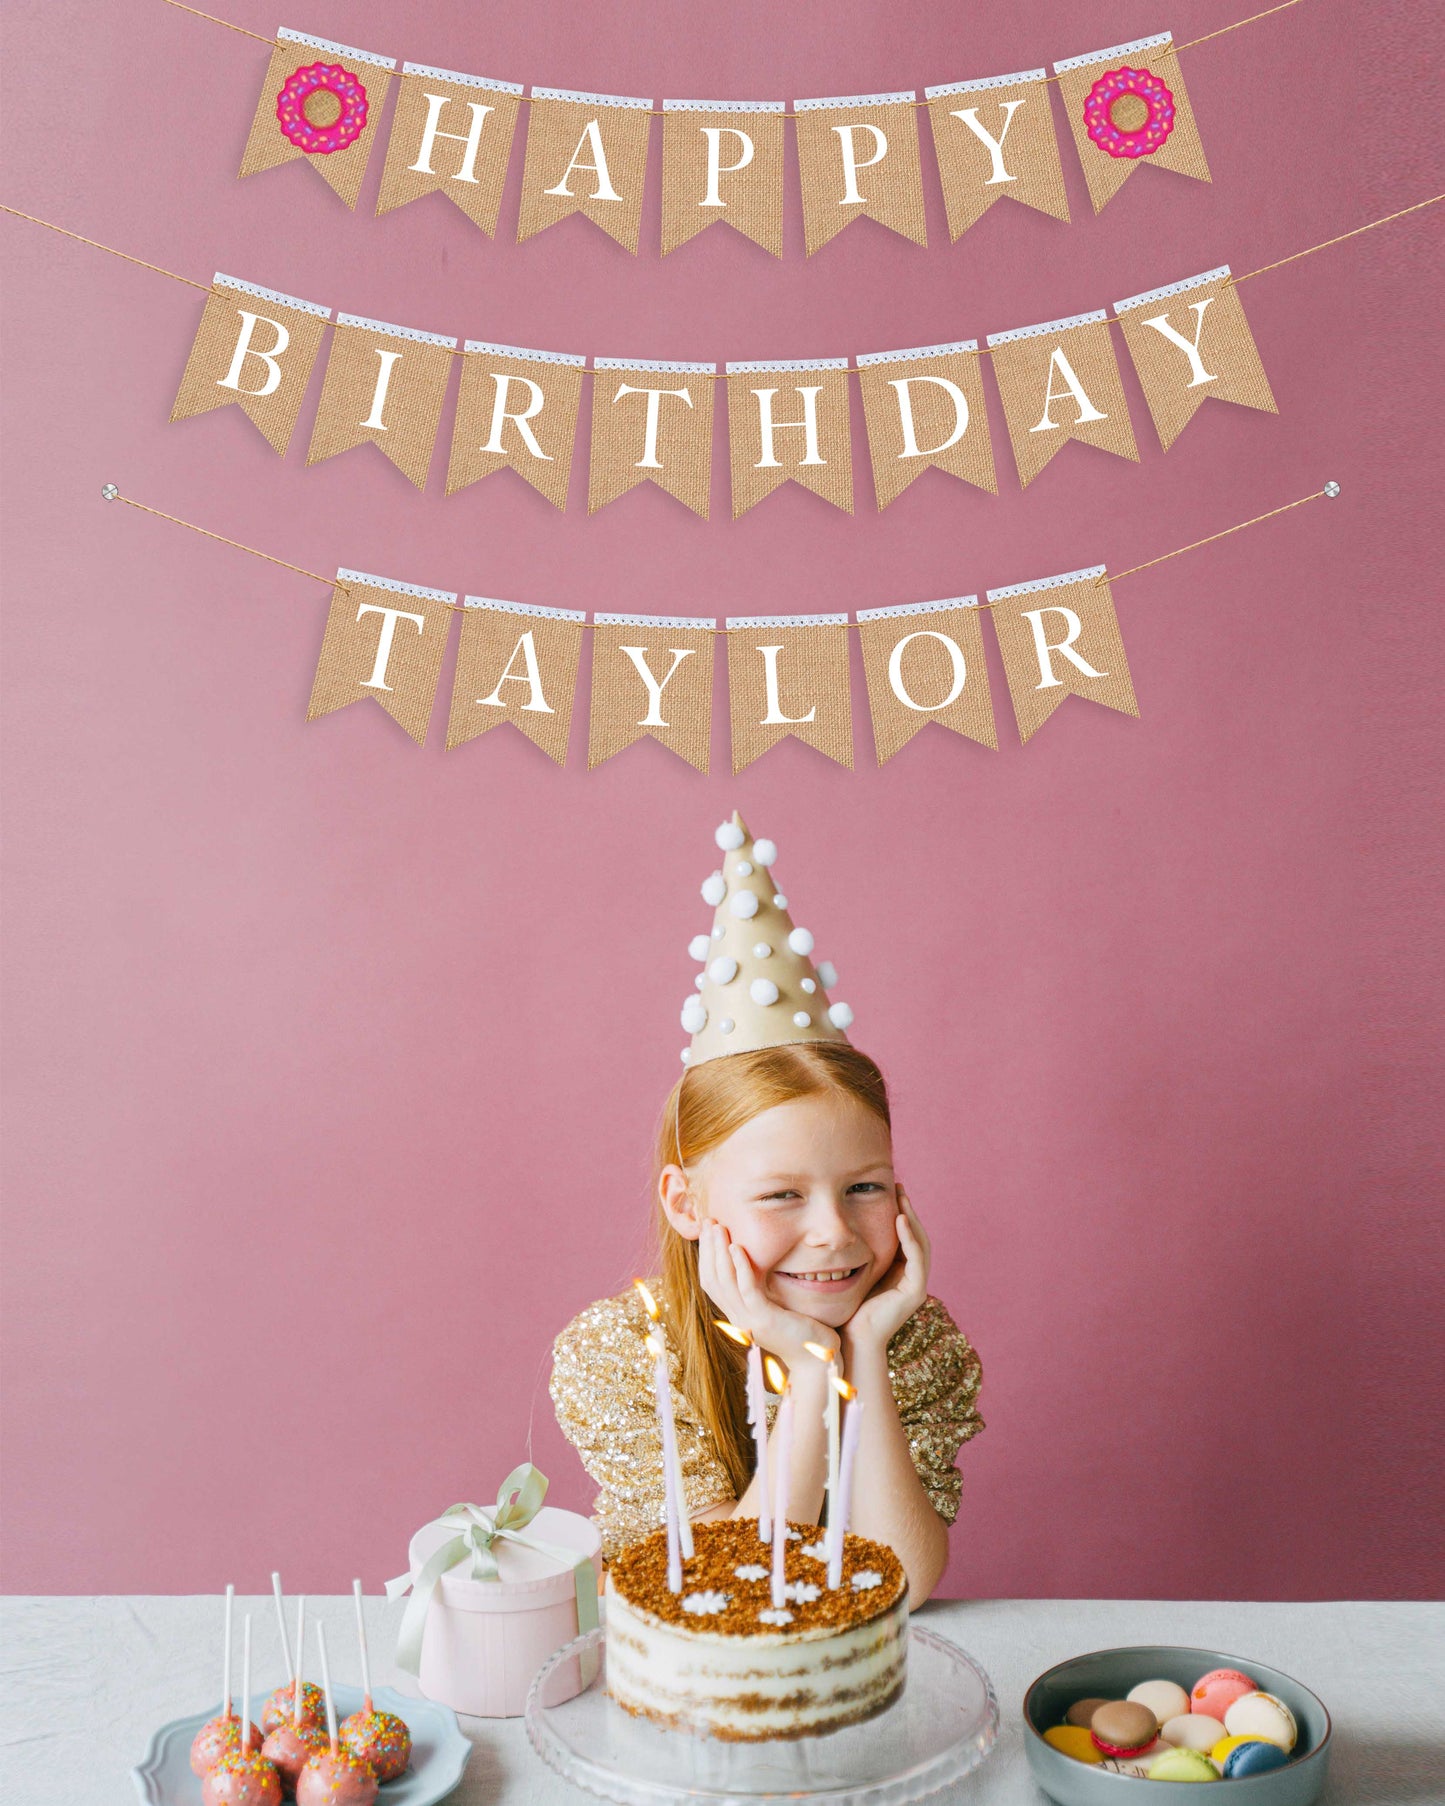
802,1592
818,1551
866,1579
704,1604
775,1615
751,1570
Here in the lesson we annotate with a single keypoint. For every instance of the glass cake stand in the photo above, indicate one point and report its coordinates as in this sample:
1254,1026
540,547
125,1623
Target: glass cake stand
941,1727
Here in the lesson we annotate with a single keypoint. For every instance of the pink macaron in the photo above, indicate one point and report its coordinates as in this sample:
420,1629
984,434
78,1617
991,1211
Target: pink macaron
1214,1693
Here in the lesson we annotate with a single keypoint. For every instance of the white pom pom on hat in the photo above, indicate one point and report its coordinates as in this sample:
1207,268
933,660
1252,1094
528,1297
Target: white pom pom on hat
723,970
840,1015
714,888
730,836
744,904
698,946
765,851
763,990
694,1015
801,941
827,974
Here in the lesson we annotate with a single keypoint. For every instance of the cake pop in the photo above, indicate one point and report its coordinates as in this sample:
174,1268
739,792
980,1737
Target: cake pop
243,1777
333,1776
279,1708
223,1733
380,1738
294,1741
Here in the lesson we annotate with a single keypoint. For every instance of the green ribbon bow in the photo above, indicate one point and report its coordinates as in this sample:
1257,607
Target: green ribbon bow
478,1526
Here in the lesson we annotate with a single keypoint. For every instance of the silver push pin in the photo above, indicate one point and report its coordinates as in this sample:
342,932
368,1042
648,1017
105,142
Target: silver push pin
1332,490
110,492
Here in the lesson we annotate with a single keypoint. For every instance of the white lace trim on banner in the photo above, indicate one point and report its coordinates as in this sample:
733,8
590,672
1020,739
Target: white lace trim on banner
865,358
397,332
917,608
271,294
401,589
590,100
724,106
361,56
703,623
653,363
751,621
577,361
1024,589
856,100
465,81
525,608
1103,56
987,81
1034,332
1172,288
761,366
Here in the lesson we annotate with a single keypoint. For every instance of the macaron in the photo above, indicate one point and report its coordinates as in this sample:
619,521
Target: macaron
1193,1731
1165,1699
1217,1691
1219,1751
1074,1741
1183,1765
1122,1727
1253,1757
1083,1710
1262,1715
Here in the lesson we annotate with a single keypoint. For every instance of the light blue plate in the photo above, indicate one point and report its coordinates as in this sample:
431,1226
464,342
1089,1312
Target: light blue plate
439,1753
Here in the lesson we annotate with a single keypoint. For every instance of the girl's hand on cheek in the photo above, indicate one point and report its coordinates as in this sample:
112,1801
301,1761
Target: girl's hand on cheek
731,1281
900,1291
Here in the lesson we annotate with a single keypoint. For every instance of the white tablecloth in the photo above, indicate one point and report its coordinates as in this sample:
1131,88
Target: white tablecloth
87,1680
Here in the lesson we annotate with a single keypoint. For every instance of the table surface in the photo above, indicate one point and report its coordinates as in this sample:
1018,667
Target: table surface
86,1680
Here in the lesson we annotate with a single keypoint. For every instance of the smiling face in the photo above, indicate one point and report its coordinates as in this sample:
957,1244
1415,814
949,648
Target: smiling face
807,1189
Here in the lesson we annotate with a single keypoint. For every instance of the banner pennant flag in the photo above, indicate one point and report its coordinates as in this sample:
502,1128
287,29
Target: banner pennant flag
1128,106
1059,637
1190,340
788,674
586,153
516,409
925,409
924,662
320,102
651,421
857,157
651,675
255,348
790,419
1060,381
994,140
518,663
451,134
722,161
384,385
384,640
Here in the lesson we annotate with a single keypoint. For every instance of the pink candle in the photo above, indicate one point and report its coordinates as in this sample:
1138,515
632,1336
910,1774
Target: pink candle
758,1418
840,1506
663,1394
783,1433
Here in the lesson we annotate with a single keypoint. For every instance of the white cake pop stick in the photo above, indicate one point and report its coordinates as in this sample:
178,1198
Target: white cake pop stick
226,1660
361,1639
281,1625
300,1650
246,1686
326,1687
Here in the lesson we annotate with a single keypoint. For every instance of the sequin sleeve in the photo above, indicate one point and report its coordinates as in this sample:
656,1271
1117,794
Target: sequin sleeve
602,1390
936,1375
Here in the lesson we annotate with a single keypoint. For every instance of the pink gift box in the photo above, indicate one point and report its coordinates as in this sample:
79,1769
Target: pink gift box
485,1639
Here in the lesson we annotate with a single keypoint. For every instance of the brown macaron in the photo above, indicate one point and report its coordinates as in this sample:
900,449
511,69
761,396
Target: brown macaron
1082,1711
1121,1726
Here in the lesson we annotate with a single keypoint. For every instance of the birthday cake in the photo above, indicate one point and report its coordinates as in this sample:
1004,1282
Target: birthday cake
720,1659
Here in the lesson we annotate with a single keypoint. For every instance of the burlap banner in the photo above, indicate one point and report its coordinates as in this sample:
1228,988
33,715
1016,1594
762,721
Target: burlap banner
450,134
651,675
384,640
1128,106
925,408
1060,637
925,662
1060,381
516,663
322,102
1190,340
384,385
788,674
516,408
651,422
994,140
858,156
722,160
586,153
255,348
790,419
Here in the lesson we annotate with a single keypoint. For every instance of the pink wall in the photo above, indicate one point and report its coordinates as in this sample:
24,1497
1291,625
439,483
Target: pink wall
331,1063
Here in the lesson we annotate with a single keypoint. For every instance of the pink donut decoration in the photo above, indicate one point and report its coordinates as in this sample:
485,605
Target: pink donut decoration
1145,89
300,124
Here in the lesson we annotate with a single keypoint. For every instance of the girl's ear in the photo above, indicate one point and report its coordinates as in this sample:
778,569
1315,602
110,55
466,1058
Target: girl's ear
678,1204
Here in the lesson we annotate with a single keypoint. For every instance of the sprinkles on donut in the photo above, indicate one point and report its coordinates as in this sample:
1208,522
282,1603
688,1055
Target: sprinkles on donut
1129,113
322,108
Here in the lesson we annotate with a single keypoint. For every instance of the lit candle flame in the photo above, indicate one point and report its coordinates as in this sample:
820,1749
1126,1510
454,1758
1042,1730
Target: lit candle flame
817,1349
842,1388
777,1374
647,1298
653,1346
740,1336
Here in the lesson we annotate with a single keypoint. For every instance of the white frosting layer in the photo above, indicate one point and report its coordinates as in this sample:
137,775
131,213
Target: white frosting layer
774,1684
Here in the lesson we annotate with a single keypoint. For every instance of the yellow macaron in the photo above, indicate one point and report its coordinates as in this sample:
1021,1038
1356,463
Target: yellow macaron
1221,1749
1075,1741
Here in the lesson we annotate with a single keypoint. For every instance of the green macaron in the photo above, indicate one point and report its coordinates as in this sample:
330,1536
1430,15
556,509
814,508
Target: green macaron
1183,1765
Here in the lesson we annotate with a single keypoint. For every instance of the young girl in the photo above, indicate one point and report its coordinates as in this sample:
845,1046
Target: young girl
779,1211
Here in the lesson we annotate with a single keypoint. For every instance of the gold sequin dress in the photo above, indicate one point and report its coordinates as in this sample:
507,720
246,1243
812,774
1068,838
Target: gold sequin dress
602,1388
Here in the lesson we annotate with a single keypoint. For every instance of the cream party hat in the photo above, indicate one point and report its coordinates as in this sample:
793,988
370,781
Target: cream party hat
758,986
